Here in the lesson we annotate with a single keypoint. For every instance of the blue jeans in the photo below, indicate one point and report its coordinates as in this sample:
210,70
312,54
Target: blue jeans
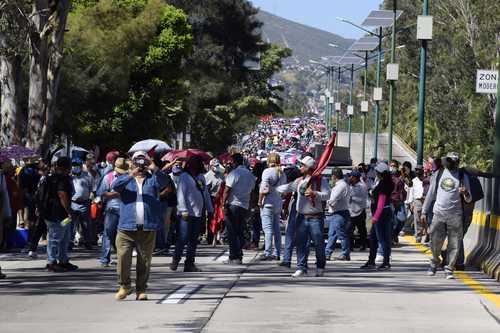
337,230
233,220
271,226
310,228
81,219
111,219
290,234
59,237
381,236
189,231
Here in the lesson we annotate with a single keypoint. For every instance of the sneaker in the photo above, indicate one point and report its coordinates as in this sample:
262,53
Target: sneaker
384,267
368,265
122,293
174,265
379,259
134,253
191,268
329,258
431,271
69,267
320,272
264,257
343,258
141,296
105,264
299,273
232,262
54,267
285,264
32,254
449,275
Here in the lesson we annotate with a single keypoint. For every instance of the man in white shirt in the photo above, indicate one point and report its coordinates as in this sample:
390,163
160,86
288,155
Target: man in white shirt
311,194
416,198
357,208
338,217
239,185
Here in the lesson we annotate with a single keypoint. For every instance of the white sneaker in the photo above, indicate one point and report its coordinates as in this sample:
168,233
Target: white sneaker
299,273
320,272
32,255
134,253
379,259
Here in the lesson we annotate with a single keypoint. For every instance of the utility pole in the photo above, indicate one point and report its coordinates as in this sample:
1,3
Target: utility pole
377,103
421,93
350,104
392,85
364,113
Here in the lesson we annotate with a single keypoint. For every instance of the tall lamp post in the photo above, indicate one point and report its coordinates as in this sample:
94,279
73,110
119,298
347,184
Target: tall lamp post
392,85
424,33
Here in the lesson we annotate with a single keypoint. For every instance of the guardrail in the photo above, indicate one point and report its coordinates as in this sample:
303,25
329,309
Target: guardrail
482,241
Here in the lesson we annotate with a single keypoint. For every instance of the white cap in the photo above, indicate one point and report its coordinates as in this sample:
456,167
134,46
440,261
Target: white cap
308,161
139,154
382,167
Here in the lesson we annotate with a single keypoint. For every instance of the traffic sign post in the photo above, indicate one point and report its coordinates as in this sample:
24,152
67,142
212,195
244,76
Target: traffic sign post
486,81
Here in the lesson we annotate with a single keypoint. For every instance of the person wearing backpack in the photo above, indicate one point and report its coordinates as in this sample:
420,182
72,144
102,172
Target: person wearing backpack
57,191
449,188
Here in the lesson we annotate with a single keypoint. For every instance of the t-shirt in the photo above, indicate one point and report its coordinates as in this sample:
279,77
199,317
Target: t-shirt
271,179
448,197
241,181
58,183
139,205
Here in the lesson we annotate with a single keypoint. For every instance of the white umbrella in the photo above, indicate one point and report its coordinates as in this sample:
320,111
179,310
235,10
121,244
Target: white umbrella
147,145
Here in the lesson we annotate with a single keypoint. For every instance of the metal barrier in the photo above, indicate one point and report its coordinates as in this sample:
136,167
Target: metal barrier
482,241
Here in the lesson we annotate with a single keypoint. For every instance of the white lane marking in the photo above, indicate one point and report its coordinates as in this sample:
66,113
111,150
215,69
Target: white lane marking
222,257
181,294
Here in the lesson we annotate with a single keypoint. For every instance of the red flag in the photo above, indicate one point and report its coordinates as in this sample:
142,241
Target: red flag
325,157
215,223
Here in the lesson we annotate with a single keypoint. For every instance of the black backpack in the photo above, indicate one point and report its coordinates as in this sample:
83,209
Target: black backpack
43,196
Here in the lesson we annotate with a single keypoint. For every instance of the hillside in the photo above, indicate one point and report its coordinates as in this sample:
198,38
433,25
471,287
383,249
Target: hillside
306,42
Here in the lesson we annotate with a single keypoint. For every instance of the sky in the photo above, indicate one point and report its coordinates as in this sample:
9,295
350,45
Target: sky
322,13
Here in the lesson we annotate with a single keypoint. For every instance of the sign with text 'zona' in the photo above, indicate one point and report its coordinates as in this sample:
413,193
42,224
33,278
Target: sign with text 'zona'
486,81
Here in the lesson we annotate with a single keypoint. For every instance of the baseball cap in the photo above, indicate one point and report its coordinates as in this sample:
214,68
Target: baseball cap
382,167
141,154
308,161
355,173
453,155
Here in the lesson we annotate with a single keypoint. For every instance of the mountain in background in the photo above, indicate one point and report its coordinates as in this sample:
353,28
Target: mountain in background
306,42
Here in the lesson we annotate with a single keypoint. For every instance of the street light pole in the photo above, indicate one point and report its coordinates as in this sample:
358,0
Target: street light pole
392,86
337,100
421,94
350,103
377,103
364,113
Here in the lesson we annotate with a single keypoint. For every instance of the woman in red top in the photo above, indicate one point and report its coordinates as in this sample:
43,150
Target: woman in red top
381,231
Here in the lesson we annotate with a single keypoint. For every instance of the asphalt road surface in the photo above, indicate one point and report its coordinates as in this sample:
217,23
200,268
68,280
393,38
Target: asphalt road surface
256,297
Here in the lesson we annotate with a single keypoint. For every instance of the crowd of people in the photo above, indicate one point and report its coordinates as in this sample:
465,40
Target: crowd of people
142,204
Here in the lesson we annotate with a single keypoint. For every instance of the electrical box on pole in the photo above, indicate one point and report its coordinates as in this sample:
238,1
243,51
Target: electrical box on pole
424,27
392,72
350,110
377,94
364,106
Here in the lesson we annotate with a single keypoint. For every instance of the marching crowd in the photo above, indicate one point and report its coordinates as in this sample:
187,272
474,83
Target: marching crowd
143,204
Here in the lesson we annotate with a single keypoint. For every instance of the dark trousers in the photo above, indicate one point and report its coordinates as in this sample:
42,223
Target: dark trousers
234,219
381,233
36,233
256,226
358,222
189,231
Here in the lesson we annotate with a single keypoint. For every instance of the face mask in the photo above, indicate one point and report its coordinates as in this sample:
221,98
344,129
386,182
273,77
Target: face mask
76,170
